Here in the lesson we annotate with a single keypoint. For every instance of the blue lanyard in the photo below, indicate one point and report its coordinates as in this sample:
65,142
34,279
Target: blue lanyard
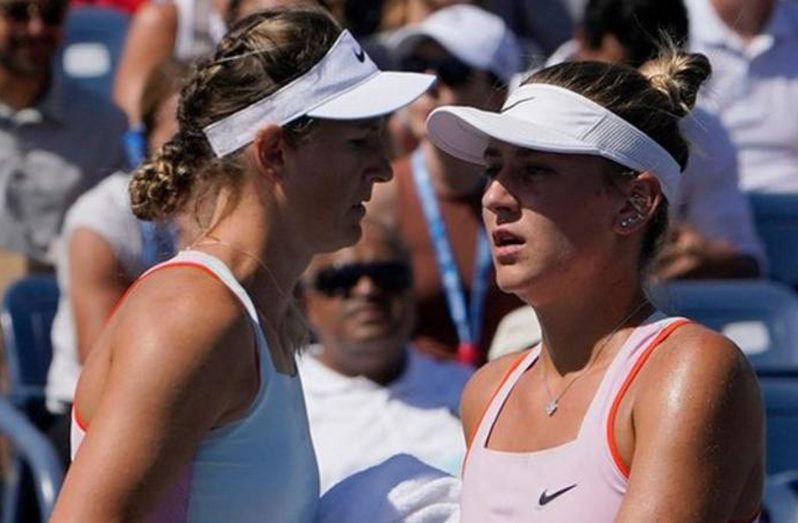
467,323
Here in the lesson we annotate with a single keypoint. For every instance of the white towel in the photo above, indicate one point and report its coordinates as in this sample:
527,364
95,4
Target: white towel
400,489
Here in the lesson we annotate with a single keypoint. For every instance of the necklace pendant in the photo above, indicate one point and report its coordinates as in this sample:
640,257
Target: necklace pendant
551,407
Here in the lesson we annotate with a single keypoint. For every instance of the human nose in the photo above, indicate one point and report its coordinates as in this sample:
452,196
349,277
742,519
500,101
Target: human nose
382,171
35,24
365,287
497,198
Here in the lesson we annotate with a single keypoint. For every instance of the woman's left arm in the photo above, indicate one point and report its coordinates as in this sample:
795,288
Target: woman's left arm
697,426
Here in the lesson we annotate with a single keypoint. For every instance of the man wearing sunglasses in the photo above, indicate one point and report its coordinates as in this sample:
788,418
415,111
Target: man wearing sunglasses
56,140
369,393
434,199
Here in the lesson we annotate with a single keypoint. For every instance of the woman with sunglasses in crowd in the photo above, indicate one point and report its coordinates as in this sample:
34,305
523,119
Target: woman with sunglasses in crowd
189,407
434,198
621,413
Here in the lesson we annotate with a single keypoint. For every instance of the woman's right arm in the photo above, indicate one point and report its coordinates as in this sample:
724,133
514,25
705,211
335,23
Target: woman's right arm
96,283
178,368
150,41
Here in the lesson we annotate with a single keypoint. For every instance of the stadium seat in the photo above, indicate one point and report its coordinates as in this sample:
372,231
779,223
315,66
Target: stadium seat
28,309
93,42
781,498
781,412
760,316
34,465
776,219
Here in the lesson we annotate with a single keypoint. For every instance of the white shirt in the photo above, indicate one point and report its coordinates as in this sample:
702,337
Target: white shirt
356,423
104,210
754,90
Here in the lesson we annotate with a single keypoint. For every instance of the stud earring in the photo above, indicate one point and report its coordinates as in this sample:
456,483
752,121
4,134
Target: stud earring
628,222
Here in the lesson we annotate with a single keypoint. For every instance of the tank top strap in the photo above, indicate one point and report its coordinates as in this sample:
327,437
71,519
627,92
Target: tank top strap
600,421
503,389
216,267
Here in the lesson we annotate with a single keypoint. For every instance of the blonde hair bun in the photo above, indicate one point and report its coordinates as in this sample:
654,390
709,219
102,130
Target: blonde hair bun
678,76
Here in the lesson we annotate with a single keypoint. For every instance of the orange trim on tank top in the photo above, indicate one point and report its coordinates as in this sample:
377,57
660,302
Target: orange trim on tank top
622,467
78,418
504,379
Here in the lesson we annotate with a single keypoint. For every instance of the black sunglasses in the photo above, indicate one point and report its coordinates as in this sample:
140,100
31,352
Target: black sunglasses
450,70
50,12
391,277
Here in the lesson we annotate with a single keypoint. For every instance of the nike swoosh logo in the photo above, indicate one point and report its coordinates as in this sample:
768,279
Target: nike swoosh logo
360,55
519,102
547,498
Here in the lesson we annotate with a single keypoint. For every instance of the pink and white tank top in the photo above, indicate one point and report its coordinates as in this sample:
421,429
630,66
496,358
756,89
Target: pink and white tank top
582,480
259,468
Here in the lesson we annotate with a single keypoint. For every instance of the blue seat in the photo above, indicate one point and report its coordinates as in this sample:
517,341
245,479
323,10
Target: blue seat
776,220
93,43
28,309
35,466
781,412
760,316
781,498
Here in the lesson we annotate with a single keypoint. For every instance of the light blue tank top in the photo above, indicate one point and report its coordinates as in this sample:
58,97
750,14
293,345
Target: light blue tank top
260,468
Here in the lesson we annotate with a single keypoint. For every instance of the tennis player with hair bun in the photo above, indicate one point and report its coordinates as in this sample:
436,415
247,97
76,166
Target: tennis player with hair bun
620,413
189,408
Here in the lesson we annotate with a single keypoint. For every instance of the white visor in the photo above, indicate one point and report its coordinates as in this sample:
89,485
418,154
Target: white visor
552,119
344,85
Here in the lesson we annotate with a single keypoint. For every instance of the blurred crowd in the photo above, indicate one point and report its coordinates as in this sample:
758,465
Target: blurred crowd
400,320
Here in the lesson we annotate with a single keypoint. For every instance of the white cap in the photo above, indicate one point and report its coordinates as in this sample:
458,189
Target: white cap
344,85
553,119
474,36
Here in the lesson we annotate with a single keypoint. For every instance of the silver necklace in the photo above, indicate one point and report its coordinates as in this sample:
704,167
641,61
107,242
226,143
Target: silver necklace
554,402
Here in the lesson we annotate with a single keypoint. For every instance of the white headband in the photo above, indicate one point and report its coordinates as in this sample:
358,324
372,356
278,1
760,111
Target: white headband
345,84
553,119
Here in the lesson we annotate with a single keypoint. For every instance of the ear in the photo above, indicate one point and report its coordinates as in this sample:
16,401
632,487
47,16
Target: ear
268,151
643,196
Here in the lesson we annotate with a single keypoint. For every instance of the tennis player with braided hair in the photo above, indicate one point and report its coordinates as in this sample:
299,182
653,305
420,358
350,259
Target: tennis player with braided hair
621,413
189,408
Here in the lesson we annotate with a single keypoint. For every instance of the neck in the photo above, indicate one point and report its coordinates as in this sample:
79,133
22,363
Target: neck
21,91
747,18
450,177
266,263
574,331
370,364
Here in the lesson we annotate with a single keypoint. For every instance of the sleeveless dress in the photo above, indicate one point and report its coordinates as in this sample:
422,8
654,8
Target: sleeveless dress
260,468
582,480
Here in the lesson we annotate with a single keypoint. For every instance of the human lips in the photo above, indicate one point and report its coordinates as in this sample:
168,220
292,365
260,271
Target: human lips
507,245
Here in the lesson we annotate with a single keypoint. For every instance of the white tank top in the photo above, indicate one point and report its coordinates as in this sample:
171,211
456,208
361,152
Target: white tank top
256,469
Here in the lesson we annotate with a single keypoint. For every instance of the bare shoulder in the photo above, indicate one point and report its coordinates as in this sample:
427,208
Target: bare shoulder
480,389
702,359
700,386
179,322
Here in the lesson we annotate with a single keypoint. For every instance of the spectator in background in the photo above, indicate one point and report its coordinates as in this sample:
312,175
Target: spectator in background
396,14
712,233
129,6
434,199
368,392
183,29
56,139
753,45
542,25
103,249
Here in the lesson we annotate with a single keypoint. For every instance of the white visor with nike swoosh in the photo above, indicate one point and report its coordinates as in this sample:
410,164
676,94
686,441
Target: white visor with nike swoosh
553,119
344,85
